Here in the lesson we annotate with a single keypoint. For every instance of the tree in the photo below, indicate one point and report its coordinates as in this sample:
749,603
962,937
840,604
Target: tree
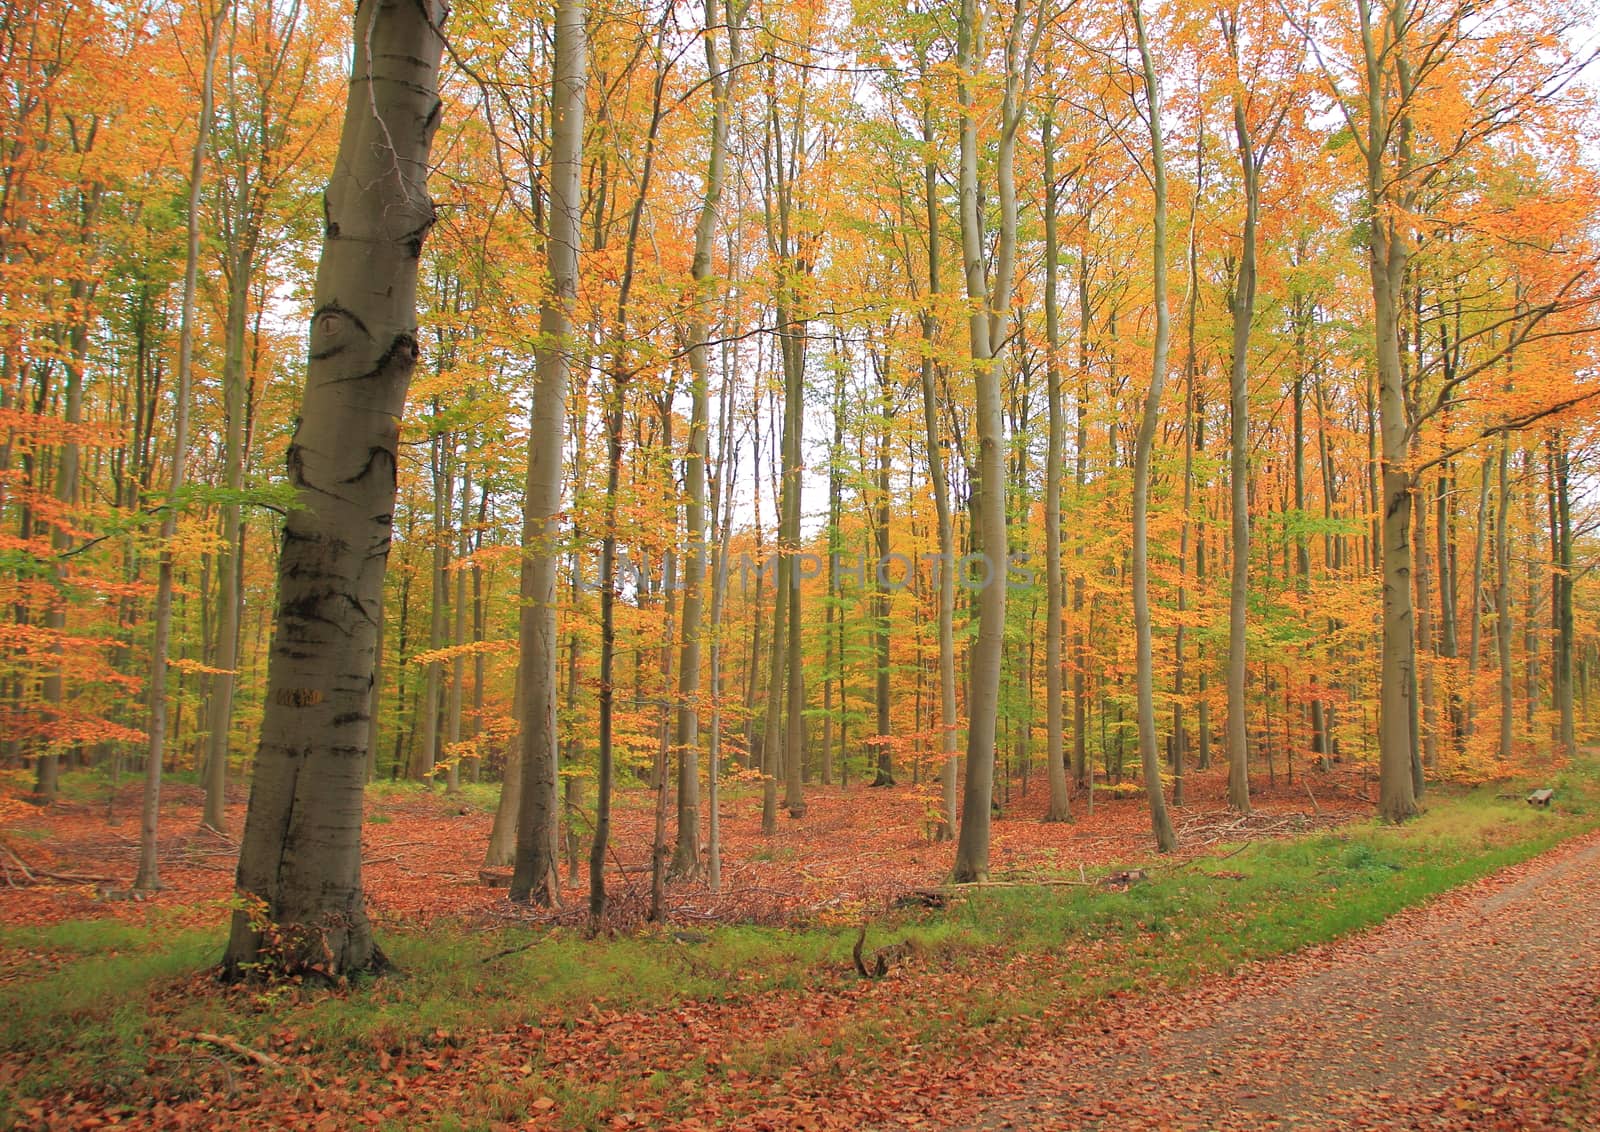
686,854
535,877
1058,809
1242,305
986,329
1166,838
299,874
149,875
260,133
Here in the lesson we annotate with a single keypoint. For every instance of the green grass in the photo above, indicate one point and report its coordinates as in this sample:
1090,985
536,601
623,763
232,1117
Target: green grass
99,995
384,793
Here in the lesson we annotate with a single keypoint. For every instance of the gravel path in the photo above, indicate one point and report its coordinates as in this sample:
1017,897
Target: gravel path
1474,1011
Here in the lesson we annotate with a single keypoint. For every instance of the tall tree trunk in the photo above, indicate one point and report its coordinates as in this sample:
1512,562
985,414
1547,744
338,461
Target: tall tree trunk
772,733
727,472
1475,618
882,740
441,451
300,859
833,659
458,638
1058,808
794,743
502,849
1242,304
1425,642
1082,771
785,747
47,769
535,876
620,375
686,854
939,476
986,328
660,854
1561,598
1180,731
1161,824
608,648
149,875
1449,646
1387,253
1502,601
1321,712
229,557
480,600
1530,620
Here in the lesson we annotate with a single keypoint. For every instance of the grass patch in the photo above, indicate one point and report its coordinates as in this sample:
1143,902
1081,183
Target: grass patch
385,794
108,990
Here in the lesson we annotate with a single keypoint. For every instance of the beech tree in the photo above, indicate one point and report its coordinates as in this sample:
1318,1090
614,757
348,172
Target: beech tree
149,875
301,906
535,877
1166,838
987,328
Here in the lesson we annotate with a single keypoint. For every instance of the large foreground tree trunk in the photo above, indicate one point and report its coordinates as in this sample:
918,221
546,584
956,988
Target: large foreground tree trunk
299,875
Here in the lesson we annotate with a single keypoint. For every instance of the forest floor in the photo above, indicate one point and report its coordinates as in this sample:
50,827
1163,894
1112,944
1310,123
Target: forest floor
1032,1001
853,852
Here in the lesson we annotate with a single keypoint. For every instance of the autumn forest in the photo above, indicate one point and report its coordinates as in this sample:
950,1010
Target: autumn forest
650,417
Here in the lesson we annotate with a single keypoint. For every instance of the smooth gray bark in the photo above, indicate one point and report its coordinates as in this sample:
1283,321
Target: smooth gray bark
458,638
1150,764
301,907
1242,305
535,875
1387,254
1502,602
986,329
1059,806
686,853
939,477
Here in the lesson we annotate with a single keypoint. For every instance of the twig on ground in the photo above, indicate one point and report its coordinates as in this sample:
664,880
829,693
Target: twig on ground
511,951
27,875
206,827
233,1045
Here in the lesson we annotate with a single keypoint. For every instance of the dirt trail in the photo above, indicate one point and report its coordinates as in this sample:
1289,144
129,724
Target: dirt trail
1473,1011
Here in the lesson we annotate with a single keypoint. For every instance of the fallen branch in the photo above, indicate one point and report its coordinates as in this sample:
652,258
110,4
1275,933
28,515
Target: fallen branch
233,1045
511,951
74,878
28,876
